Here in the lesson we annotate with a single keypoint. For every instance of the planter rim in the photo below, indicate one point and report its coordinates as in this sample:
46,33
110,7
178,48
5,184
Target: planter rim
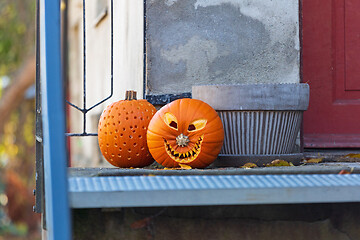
257,97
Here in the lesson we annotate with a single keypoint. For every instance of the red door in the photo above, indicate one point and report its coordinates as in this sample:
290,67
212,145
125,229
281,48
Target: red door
331,65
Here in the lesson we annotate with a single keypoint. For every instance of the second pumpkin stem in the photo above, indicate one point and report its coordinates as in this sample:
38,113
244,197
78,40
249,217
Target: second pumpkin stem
130,95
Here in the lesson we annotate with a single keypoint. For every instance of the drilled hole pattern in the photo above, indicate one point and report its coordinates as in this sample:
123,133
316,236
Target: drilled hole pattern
122,133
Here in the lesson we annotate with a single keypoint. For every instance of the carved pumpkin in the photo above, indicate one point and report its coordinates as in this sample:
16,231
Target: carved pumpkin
185,131
122,132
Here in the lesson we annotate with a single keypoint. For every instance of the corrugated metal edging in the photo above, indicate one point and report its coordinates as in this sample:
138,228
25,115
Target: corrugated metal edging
143,191
260,132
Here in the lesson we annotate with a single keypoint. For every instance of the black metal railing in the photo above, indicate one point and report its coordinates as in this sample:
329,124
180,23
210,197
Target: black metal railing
84,108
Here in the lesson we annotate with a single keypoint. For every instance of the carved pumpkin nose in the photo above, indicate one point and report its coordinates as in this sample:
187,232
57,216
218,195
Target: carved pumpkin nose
182,140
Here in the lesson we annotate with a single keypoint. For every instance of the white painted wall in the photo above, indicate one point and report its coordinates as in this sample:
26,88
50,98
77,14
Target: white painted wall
128,67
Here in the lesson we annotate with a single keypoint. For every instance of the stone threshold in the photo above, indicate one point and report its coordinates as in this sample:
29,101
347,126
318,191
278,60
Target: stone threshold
333,161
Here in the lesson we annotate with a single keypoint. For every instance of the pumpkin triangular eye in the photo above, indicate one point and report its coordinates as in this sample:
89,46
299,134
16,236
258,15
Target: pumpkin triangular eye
170,120
197,125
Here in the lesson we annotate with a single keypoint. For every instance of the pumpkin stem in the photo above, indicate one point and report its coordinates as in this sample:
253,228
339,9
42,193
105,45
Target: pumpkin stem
182,140
130,95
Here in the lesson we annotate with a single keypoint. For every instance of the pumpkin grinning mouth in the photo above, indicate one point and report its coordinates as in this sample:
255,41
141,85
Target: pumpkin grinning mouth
186,157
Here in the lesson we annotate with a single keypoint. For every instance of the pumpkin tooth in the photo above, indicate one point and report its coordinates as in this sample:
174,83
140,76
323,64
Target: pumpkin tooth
186,157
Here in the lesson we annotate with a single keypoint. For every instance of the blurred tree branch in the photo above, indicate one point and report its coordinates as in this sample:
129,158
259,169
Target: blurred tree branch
17,27
17,118
14,94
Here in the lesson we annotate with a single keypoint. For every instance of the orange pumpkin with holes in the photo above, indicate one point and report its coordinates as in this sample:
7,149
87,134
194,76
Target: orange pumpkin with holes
187,132
122,132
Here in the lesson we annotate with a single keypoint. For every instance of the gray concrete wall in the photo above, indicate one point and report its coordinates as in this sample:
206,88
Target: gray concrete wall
220,41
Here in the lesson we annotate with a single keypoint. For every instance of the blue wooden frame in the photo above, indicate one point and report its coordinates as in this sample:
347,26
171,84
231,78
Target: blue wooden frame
55,159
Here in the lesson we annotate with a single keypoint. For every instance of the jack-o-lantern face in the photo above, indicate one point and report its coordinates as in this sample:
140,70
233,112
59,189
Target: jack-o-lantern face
185,131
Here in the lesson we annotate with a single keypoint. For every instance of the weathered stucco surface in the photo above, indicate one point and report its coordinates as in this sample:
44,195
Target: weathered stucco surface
220,41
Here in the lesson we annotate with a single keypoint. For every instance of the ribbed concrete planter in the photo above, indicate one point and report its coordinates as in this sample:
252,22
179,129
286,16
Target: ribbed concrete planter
261,121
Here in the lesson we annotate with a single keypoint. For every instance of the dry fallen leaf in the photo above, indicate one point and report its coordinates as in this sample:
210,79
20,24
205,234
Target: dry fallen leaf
314,160
353,155
249,165
279,163
344,172
171,168
184,166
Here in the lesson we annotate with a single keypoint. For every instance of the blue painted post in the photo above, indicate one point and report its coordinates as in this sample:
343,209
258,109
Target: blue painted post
55,160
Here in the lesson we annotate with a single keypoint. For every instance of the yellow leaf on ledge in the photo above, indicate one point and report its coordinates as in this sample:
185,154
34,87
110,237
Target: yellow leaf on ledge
249,165
279,163
184,166
314,160
353,155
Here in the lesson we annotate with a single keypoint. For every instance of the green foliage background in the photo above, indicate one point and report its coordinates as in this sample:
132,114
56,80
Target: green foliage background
17,33
17,149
